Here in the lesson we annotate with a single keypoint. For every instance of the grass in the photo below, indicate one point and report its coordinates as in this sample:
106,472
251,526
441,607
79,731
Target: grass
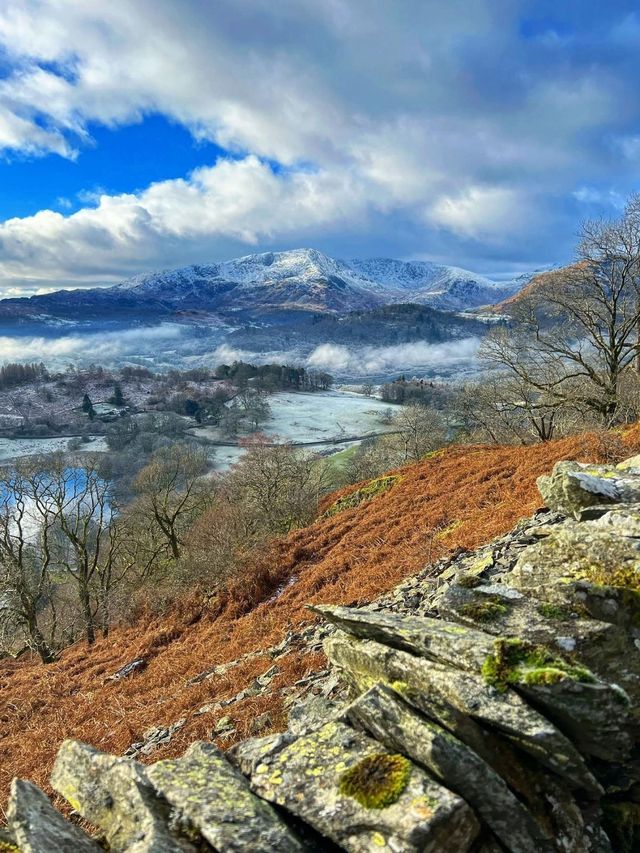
349,558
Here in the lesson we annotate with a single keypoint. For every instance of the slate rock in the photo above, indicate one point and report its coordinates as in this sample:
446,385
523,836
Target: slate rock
422,683
572,486
37,826
399,727
129,669
437,639
115,795
314,776
209,794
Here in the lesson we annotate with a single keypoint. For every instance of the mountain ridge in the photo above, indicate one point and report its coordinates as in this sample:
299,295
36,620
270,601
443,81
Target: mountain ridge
296,279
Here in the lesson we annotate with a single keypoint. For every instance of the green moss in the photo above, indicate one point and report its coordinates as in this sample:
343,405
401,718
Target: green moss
8,847
467,581
448,530
554,611
486,609
376,781
364,493
622,824
515,661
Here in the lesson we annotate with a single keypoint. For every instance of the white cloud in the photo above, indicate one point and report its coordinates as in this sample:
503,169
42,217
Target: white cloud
599,197
481,212
405,116
240,200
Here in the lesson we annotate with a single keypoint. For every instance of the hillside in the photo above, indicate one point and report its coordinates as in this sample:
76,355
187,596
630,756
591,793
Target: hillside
531,289
458,499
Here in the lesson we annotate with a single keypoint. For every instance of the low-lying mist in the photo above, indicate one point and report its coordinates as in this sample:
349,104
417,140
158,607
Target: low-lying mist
371,360
174,345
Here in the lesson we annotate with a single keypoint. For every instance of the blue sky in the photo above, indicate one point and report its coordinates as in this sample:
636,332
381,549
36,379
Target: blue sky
141,134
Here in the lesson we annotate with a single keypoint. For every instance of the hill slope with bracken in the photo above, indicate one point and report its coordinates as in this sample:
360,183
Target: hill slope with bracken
458,499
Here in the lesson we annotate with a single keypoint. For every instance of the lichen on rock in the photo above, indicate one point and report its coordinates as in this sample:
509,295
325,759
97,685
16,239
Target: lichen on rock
365,493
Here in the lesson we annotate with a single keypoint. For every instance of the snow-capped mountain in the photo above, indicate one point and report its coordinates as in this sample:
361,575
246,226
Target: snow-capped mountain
297,279
308,278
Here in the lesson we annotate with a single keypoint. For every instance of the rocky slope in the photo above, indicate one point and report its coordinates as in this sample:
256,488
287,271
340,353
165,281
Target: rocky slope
494,709
294,280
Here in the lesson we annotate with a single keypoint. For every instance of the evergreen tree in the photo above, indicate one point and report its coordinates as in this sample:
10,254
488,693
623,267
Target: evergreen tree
118,397
87,407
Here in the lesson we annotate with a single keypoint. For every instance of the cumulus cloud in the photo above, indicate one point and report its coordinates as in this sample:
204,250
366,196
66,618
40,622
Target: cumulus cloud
467,133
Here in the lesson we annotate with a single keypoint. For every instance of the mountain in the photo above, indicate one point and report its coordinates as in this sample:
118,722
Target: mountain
300,279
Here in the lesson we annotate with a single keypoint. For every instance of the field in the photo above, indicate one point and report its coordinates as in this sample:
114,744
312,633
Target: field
323,420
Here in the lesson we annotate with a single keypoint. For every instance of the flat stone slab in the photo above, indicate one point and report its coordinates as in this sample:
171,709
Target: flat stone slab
352,790
115,795
38,827
573,486
215,798
437,639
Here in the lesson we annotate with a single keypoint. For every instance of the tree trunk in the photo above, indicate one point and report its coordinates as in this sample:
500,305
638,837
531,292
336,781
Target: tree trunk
85,601
173,542
40,645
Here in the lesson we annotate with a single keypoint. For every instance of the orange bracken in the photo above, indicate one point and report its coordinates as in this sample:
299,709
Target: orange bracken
461,498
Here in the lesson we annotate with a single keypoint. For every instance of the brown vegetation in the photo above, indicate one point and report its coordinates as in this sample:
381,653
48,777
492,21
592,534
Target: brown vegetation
458,498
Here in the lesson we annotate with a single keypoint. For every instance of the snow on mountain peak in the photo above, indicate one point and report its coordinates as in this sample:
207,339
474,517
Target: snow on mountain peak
290,274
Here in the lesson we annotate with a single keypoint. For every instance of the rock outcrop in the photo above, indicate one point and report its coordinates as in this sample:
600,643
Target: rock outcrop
490,703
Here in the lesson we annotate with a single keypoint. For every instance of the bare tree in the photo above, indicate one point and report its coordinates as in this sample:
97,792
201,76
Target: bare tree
73,497
503,409
171,491
271,490
279,484
419,430
131,555
576,332
27,606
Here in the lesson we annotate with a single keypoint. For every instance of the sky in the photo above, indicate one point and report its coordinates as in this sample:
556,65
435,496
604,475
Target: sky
144,134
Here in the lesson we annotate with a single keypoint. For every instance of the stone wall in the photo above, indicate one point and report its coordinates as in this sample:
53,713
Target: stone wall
490,703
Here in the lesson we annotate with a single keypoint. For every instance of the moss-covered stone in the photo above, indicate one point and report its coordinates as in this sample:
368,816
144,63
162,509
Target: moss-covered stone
516,661
486,608
457,699
400,727
212,797
339,781
37,827
554,611
114,794
468,581
377,780
363,494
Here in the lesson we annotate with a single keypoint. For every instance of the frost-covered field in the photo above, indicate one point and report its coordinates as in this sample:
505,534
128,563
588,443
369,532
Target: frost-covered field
317,419
323,416
16,448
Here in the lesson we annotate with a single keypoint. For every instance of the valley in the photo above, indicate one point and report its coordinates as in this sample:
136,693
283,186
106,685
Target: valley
358,319
49,413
